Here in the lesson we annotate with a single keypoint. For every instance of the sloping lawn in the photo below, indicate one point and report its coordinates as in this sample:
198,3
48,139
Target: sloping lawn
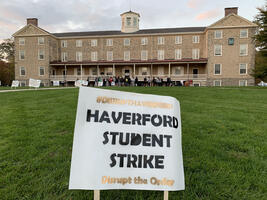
224,144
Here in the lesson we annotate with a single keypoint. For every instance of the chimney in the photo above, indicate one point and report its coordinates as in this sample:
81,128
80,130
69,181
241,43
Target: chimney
229,11
33,21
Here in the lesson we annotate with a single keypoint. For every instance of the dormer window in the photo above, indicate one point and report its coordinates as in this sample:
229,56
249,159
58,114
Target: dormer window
134,21
128,19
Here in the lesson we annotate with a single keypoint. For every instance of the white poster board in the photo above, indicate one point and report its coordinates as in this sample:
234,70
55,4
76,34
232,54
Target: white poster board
100,84
85,83
34,83
15,83
126,141
56,83
78,83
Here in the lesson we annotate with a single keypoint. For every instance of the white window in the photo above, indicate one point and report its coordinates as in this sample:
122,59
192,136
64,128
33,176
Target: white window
21,41
21,54
64,43
93,43
127,42
217,83
79,56
244,33
134,21
144,55
128,20
242,83
178,70
218,34
41,71
178,39
217,50
178,54
144,41
41,54
127,55
243,68
22,71
79,43
160,40
94,56
109,55
195,53
195,39
160,54
40,40
217,69
243,49
109,42
64,56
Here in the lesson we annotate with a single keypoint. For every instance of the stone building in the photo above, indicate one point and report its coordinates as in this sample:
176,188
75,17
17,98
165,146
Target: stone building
222,54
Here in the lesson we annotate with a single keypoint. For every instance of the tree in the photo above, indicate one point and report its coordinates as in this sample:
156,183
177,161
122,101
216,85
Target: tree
260,71
7,62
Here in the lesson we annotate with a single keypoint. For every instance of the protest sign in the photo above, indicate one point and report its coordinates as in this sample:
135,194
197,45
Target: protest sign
78,83
126,141
55,83
15,83
34,83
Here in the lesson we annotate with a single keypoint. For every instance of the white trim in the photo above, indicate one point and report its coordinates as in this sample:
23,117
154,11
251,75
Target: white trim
144,41
45,33
146,53
40,70
215,49
79,43
215,69
20,71
246,65
109,42
64,56
109,55
195,39
79,56
40,54
217,85
161,54
179,39
246,49
21,39
195,54
94,43
94,56
20,54
241,31
125,40
178,54
127,56
64,43
39,38
219,37
161,40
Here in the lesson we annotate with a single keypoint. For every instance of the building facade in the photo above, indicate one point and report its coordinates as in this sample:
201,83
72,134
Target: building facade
222,54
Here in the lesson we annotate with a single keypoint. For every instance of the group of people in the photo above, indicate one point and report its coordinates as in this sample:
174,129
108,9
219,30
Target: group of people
127,81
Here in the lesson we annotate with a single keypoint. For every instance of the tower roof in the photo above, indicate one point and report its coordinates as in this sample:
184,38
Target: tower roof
130,12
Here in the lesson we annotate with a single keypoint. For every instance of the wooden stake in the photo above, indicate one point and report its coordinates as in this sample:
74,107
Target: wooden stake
96,194
166,195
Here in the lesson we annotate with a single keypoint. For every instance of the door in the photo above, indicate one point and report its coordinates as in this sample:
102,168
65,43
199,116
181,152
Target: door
195,73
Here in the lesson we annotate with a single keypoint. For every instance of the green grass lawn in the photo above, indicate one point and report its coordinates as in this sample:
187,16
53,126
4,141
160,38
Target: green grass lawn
224,134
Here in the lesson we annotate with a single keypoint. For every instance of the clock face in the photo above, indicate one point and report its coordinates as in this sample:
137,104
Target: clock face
231,41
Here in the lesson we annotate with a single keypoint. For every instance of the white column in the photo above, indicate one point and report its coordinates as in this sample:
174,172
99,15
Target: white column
97,70
81,66
151,71
65,77
188,71
114,72
169,70
134,71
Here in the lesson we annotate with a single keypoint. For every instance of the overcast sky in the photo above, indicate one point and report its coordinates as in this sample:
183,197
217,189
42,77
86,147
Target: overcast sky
87,15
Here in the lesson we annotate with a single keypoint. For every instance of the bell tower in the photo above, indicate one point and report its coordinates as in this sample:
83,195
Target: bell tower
129,22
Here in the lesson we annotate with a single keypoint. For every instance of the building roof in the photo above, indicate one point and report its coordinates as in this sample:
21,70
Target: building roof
130,12
140,32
